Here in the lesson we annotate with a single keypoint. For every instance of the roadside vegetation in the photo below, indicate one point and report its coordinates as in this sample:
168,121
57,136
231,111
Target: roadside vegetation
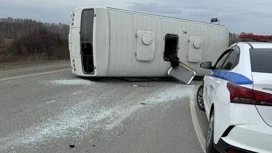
29,40
233,38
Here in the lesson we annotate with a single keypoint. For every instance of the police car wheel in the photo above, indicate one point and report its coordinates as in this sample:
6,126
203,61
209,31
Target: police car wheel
199,98
210,134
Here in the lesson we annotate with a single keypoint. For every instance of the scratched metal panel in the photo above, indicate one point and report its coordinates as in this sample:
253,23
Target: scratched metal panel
122,44
215,39
125,24
101,42
151,23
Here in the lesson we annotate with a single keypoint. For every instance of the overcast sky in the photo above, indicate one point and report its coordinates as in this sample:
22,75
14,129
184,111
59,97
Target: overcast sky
239,15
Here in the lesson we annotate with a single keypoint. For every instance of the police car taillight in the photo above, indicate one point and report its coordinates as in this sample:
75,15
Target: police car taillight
239,94
230,150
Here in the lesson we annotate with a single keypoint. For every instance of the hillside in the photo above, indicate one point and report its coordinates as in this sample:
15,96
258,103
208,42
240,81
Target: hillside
26,39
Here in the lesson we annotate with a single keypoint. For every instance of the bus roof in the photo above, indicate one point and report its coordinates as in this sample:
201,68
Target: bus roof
146,13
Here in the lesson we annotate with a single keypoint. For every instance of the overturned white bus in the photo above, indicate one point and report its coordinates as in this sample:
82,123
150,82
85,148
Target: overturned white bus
119,43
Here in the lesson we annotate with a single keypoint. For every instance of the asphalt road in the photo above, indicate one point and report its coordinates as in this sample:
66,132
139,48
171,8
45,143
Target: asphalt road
48,109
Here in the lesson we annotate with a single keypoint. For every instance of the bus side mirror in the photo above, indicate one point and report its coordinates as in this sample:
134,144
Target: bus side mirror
206,65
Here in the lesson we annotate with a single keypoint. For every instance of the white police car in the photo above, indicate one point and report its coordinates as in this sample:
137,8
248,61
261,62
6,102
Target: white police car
237,98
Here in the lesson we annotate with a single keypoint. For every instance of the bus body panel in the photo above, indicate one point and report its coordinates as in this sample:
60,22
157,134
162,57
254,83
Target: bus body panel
116,38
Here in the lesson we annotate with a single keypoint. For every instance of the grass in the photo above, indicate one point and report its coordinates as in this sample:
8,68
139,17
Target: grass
9,60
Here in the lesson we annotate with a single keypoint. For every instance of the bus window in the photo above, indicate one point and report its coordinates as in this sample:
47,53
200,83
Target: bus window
86,38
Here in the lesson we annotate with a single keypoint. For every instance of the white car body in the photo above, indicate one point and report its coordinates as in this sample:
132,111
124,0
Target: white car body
242,126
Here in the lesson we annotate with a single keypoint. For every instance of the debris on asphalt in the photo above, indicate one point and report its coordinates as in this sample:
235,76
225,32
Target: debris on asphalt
142,85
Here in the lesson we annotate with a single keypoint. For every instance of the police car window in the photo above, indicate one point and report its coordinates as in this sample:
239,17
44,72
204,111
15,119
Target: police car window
261,60
232,60
221,61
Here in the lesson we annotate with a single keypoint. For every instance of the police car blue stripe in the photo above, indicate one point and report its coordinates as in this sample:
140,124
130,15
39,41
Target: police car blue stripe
231,77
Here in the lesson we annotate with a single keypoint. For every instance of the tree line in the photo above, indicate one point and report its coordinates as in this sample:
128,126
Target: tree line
11,28
22,39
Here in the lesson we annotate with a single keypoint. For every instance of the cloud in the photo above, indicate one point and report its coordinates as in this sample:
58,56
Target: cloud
238,15
50,10
157,9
